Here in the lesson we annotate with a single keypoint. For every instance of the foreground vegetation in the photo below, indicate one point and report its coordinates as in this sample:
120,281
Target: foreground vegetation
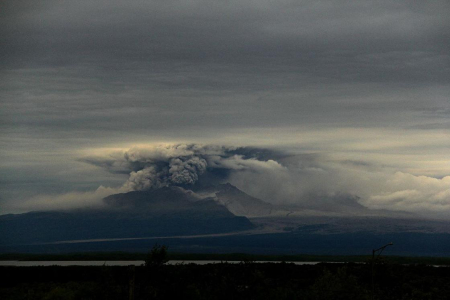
246,280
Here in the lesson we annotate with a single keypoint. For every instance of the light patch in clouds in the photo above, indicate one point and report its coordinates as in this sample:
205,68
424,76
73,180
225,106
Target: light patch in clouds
379,189
413,193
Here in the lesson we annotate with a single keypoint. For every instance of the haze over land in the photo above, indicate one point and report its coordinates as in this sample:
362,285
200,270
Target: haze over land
328,106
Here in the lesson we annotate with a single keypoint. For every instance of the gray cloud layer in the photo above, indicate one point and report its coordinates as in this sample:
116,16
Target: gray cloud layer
113,66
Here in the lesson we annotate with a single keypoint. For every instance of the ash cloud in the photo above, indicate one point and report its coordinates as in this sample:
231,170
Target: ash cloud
185,164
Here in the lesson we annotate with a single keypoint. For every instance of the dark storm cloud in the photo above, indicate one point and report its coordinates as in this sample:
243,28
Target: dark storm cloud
225,48
363,41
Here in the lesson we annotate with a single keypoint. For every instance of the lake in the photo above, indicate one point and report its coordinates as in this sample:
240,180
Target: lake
18,263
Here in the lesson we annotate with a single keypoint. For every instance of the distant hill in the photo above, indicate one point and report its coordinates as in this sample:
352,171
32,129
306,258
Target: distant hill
164,212
236,201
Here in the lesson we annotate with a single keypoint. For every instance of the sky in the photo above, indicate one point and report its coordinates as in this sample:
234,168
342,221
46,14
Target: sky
344,97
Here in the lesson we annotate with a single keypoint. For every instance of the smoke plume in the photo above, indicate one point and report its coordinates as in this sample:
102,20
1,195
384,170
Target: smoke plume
184,164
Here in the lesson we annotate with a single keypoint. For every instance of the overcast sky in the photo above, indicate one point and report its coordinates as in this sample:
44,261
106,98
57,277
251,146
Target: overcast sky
361,86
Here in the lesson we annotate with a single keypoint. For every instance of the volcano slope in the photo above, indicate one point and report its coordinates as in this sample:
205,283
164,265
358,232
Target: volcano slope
169,211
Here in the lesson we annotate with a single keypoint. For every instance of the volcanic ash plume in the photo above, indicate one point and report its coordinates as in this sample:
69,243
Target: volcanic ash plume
182,165
177,171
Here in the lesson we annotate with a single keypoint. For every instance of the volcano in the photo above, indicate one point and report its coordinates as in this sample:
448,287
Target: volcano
169,211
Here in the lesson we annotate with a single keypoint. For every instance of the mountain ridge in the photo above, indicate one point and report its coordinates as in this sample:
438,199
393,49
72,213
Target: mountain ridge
166,212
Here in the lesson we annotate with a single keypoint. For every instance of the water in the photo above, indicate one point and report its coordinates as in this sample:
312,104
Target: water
18,263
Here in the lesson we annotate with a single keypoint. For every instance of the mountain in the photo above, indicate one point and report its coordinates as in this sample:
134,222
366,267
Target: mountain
167,211
236,201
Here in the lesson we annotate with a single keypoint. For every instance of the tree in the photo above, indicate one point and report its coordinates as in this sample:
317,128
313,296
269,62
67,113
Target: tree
158,256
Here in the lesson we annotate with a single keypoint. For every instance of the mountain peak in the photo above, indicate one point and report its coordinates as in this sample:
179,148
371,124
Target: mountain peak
237,201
